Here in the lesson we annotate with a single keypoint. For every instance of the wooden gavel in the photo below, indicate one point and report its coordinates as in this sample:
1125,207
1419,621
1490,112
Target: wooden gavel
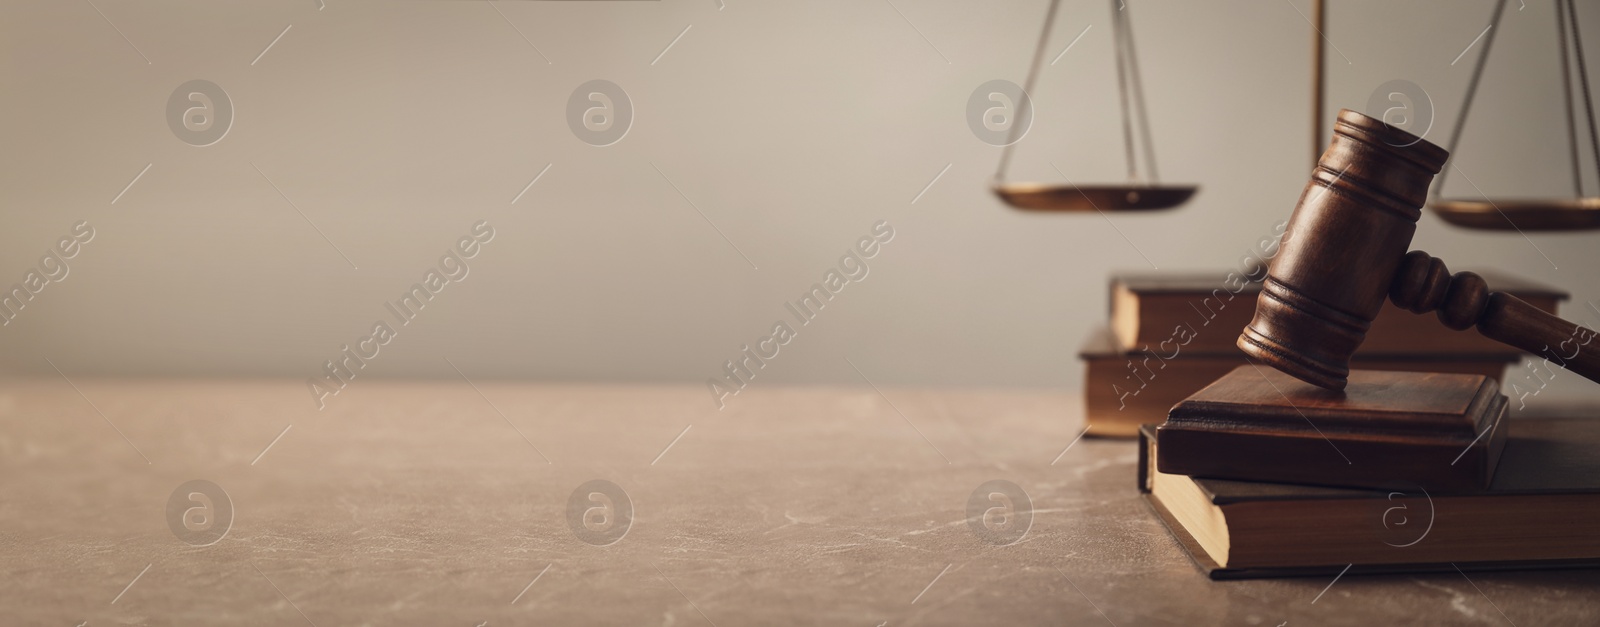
1344,252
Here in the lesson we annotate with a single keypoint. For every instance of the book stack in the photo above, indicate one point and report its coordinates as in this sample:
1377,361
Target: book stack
1262,475
1171,334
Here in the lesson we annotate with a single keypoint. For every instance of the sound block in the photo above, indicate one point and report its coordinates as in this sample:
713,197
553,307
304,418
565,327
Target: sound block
1386,430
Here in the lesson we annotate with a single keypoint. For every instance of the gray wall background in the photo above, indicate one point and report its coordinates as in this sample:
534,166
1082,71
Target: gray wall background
792,126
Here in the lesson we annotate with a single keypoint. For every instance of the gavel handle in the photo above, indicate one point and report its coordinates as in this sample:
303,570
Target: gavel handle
1510,320
1423,284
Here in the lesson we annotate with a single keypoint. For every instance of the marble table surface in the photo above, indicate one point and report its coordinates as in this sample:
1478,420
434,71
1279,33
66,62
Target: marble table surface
458,503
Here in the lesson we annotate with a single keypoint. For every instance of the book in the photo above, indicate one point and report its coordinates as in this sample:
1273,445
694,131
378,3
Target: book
1434,430
1125,389
1205,311
1540,512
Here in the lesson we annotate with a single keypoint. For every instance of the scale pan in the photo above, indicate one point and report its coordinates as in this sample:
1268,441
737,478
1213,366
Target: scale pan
1557,214
1054,197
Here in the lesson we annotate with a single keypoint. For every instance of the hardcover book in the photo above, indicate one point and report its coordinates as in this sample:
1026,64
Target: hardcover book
1540,512
1204,312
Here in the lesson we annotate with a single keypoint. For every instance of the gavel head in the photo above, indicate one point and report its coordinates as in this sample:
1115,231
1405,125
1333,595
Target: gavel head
1341,249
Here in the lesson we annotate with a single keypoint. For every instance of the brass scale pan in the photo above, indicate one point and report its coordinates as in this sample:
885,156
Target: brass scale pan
1053,197
1134,196
1562,214
1542,214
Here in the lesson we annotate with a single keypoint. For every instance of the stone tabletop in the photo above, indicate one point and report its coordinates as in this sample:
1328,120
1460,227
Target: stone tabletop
219,502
